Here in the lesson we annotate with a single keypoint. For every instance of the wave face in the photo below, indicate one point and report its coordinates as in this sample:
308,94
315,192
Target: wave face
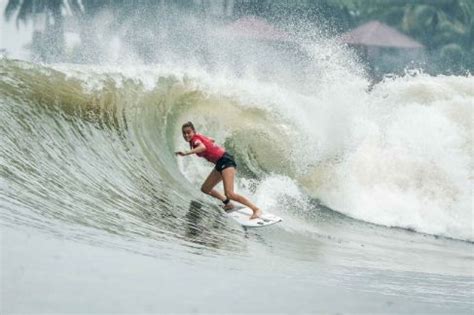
94,145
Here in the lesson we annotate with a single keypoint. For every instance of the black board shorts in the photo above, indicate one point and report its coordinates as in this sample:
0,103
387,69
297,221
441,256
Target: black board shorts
224,162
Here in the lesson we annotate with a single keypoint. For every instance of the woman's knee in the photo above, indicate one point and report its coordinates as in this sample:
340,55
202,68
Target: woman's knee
205,189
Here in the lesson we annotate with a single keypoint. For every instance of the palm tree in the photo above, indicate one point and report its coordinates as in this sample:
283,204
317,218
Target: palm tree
48,36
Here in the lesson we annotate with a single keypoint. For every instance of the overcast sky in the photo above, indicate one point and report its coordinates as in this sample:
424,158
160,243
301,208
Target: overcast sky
13,39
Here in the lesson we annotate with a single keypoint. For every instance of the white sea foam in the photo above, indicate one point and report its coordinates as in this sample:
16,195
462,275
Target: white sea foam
408,159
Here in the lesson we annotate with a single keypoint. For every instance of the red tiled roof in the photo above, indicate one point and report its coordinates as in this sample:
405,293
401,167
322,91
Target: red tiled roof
375,33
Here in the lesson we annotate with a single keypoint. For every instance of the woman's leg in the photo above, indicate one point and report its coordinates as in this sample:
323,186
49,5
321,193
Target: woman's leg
228,176
211,181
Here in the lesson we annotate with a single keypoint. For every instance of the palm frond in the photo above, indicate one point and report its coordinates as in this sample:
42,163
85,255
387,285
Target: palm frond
26,11
12,7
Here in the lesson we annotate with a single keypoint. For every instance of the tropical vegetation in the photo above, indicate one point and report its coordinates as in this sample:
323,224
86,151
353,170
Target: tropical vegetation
444,27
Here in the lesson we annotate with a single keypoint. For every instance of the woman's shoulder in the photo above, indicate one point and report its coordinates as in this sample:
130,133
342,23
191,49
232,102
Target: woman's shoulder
200,136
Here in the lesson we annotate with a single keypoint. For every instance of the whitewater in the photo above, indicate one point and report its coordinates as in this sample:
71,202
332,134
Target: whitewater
373,181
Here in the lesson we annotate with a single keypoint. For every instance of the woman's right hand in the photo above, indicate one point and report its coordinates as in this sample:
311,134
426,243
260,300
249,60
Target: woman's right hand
180,153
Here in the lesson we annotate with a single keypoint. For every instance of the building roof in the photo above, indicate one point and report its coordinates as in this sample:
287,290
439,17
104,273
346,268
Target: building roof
250,27
375,33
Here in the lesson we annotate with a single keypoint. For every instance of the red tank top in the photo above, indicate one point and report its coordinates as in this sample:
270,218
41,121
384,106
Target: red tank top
213,151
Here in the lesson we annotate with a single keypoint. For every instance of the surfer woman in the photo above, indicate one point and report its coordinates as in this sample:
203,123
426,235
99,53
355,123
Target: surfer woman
224,170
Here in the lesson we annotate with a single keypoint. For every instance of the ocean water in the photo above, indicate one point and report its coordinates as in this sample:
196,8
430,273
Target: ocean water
99,216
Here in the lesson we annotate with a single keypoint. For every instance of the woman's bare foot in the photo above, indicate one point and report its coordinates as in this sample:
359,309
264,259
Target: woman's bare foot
256,214
228,206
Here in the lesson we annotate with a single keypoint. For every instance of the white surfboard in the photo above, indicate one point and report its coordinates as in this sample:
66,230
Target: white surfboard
242,216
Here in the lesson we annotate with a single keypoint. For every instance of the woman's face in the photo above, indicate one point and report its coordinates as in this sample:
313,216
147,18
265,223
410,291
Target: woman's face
188,133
